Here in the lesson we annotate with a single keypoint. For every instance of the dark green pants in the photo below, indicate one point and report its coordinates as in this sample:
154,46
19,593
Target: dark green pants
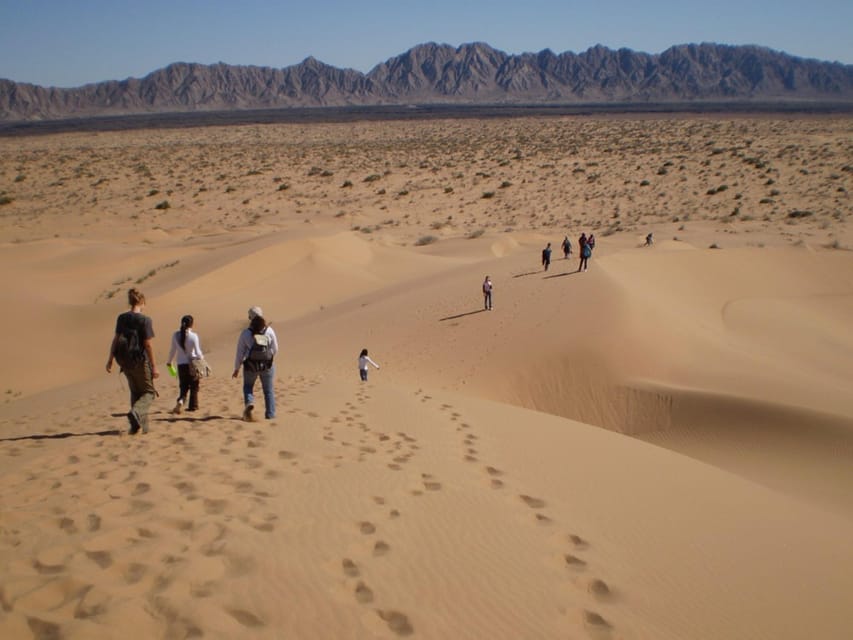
141,392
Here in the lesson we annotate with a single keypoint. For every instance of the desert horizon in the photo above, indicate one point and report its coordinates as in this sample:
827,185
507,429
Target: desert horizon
657,447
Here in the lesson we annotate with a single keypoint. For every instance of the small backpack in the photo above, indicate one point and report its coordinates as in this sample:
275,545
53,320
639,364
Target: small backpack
129,351
260,355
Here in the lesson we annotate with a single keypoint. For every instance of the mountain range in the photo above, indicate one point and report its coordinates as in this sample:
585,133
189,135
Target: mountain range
431,73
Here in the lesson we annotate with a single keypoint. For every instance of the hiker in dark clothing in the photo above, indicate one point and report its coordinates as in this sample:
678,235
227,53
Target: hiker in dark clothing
584,252
546,256
131,348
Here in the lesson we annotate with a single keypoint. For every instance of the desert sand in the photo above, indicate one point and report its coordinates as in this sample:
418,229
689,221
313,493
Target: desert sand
659,447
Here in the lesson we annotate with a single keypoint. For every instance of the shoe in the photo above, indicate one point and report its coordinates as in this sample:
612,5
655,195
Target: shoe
179,407
133,419
247,413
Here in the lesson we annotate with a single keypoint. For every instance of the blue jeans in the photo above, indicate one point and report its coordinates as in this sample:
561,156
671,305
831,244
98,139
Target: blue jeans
266,377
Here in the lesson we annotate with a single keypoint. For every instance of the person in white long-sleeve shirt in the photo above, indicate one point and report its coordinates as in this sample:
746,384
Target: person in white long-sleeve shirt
363,361
186,346
256,349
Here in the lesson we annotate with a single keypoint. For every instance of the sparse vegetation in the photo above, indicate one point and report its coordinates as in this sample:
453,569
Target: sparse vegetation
162,205
424,240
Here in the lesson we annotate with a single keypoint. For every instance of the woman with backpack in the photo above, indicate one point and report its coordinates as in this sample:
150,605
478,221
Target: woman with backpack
131,349
256,348
185,345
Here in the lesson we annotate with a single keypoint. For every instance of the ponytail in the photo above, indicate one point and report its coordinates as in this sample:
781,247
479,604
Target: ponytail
186,323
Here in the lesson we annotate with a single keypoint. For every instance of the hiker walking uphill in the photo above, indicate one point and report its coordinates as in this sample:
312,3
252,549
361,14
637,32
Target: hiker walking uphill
256,349
487,293
186,346
131,349
585,252
546,256
566,246
363,361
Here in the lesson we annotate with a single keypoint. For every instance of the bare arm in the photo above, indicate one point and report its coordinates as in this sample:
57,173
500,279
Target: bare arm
150,351
112,351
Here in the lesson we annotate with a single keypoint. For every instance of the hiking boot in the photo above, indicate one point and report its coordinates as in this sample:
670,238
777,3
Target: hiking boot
247,413
133,419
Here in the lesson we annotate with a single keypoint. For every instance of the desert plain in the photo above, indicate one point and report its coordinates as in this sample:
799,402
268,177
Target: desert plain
659,447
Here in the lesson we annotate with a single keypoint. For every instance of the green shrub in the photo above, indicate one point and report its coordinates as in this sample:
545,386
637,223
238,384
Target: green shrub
424,240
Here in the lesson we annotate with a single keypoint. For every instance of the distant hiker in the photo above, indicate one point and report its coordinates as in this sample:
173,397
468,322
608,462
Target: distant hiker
256,349
649,240
185,344
487,293
363,361
131,349
585,252
567,247
591,242
546,256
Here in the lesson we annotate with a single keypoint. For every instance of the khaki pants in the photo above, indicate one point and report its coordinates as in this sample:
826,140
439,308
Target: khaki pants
141,392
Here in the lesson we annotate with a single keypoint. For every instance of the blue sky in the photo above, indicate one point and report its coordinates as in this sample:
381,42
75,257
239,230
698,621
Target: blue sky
68,43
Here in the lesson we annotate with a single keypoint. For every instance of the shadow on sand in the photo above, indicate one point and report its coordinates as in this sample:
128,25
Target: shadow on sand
560,275
462,315
185,418
61,436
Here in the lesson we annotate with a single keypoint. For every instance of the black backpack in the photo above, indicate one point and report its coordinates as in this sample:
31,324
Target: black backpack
129,351
260,355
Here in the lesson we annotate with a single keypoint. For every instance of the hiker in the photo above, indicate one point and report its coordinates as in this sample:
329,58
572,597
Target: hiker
649,240
131,349
487,293
256,348
591,242
546,256
363,361
567,247
186,346
585,252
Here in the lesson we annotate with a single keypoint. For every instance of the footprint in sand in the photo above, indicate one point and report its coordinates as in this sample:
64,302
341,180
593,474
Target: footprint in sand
363,593
397,622
245,618
432,485
43,630
574,562
101,558
599,589
93,522
533,503
595,620
134,573
214,507
350,568
67,525
367,528
381,548
47,569
140,489
579,542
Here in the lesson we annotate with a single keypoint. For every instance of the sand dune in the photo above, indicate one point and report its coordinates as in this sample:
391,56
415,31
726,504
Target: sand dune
660,447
